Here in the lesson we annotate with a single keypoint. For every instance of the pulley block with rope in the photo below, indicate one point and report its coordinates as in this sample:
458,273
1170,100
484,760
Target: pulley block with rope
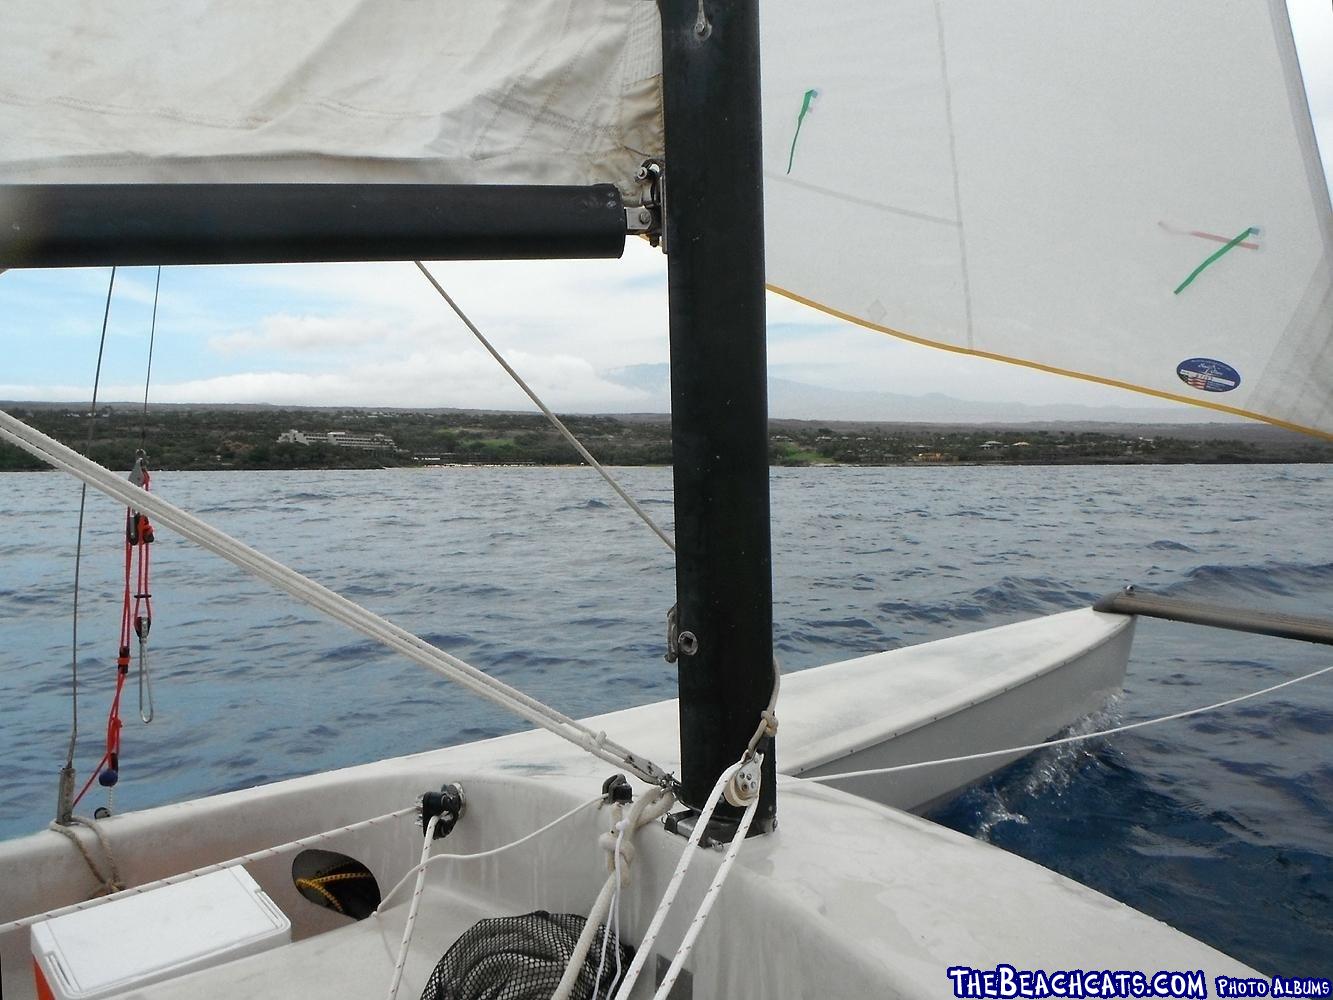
138,536
136,606
136,618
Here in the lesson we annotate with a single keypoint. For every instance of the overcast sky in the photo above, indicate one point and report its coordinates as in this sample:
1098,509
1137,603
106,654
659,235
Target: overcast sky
376,334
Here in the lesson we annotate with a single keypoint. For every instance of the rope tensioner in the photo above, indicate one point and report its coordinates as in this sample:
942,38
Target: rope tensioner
138,536
339,608
136,617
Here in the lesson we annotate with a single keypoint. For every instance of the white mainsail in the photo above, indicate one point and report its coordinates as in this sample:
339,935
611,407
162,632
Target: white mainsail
1125,192
457,92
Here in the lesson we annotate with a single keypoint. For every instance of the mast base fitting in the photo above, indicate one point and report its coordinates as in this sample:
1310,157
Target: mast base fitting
721,830
448,804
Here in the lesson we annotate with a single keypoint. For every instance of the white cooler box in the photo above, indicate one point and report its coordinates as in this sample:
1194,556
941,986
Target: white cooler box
195,924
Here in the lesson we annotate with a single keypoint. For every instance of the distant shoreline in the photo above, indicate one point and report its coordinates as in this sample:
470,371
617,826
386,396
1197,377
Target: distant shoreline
612,465
190,438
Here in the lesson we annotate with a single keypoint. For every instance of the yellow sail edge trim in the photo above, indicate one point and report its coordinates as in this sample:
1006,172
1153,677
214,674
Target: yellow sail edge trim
1220,407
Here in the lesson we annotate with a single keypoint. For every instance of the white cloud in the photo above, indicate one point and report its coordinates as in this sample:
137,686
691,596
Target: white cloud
285,333
31,392
613,311
465,380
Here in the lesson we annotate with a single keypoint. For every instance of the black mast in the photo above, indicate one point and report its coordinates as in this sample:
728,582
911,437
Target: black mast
714,230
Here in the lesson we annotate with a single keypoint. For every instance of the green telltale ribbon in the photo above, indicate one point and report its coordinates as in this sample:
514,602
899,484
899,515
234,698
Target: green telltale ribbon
809,98
1231,245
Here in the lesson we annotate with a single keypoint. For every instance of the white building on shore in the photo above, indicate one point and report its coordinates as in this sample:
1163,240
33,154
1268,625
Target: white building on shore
339,439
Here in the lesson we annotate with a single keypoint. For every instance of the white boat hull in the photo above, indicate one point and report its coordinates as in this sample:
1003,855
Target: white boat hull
849,898
1010,686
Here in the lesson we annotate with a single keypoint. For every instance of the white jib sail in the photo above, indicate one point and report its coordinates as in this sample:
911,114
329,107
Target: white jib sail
1051,183
1128,191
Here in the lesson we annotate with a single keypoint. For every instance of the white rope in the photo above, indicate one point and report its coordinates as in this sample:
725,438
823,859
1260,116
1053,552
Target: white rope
482,854
558,424
710,897
615,917
617,880
677,877
322,599
244,859
596,917
621,880
410,925
1072,739
649,806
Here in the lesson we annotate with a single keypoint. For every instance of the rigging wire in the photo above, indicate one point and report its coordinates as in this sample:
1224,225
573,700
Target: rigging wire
141,533
65,806
148,374
142,625
330,603
1072,739
555,421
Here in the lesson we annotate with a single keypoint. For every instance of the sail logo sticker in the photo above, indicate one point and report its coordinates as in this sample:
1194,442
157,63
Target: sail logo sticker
1208,375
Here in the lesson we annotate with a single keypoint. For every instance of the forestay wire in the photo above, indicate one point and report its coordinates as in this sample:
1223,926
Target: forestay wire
148,372
145,677
555,421
332,604
65,805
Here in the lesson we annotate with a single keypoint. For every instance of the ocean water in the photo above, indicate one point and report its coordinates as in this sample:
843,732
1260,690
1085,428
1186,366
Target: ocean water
1221,825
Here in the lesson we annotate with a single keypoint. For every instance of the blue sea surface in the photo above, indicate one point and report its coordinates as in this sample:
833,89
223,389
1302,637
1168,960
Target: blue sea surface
1221,825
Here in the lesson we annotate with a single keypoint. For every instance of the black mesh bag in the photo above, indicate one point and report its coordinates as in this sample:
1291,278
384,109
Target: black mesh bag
521,958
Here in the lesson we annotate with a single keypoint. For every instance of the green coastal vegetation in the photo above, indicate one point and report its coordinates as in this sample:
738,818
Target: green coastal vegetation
247,437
